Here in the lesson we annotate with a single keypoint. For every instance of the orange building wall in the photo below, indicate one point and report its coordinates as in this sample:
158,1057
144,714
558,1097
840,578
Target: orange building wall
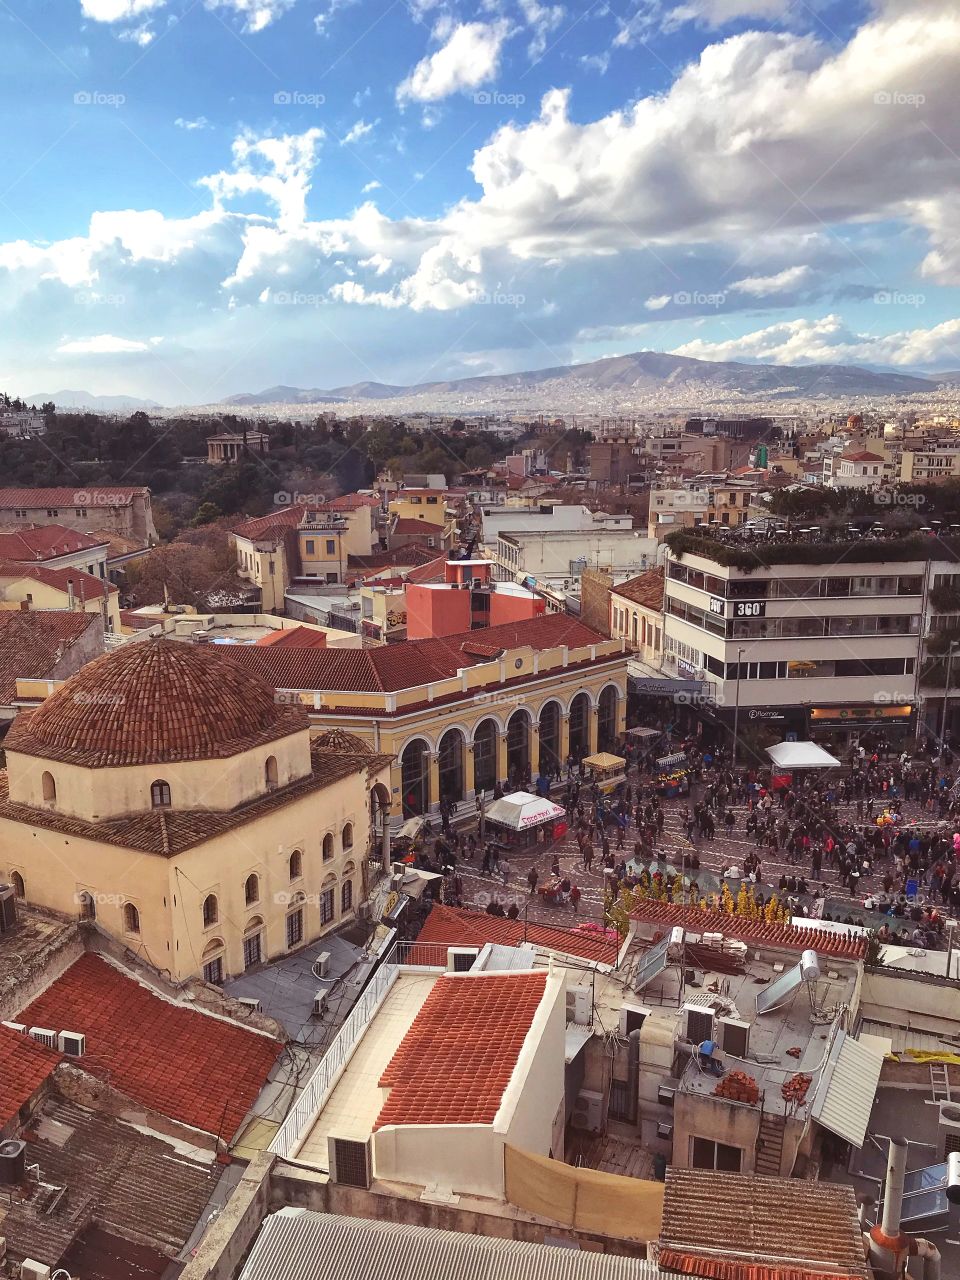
504,608
432,612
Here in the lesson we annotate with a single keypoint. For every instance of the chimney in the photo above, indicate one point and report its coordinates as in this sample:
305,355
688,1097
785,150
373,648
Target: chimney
71,598
888,1245
24,606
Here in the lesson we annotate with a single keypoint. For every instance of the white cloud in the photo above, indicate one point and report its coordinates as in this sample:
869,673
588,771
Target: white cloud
829,341
596,61
103,344
191,126
323,19
372,185
117,10
469,57
657,303
378,263
543,20
142,35
769,286
277,168
357,131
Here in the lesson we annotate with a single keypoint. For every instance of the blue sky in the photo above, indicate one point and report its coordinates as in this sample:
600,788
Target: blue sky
199,198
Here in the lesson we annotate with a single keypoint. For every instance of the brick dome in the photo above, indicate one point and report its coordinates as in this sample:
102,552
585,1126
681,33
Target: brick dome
341,741
153,701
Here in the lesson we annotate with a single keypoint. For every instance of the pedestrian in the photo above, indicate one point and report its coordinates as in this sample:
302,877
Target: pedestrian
575,898
532,879
505,869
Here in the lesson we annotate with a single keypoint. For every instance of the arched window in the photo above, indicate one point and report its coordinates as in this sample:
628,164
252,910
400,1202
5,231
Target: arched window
160,794
485,754
347,837
253,943
18,886
88,906
296,865
580,726
271,773
518,746
251,890
211,910
346,896
327,847
607,719
49,787
549,722
212,960
450,766
131,918
415,778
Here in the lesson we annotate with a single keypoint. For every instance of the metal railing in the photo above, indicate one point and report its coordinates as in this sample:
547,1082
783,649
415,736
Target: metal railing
317,1089
419,955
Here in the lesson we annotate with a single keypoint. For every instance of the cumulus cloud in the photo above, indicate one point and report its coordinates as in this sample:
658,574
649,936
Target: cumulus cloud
543,20
117,10
769,286
830,341
469,57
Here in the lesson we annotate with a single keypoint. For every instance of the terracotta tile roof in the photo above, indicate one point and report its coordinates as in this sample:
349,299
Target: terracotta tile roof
862,455
294,638
751,1218
170,831
432,571
274,523
826,943
686,1264
44,542
203,1071
138,621
409,663
24,1065
458,1057
31,644
84,495
404,525
152,702
353,502
414,553
85,585
455,927
646,589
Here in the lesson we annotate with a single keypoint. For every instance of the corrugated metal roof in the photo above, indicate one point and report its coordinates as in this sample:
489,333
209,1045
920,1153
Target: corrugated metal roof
848,1086
300,1245
498,958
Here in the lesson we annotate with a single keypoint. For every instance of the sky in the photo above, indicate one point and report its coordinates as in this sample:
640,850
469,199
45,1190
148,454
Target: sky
205,197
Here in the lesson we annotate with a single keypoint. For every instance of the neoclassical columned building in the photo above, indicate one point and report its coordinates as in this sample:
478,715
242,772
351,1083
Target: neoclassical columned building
460,713
174,799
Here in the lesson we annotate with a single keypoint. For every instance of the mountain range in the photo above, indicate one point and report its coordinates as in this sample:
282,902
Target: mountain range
95,404
630,376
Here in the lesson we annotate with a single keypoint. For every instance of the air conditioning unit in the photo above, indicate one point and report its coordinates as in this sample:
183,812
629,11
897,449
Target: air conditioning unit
948,1130
632,1018
44,1035
697,1024
251,1003
19,1027
350,1162
461,959
73,1043
12,1162
319,1004
396,882
364,911
31,1270
321,966
580,1006
587,1114
734,1037
665,1130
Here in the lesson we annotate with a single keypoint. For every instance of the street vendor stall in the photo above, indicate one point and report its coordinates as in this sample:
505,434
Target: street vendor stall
521,817
673,775
606,769
787,758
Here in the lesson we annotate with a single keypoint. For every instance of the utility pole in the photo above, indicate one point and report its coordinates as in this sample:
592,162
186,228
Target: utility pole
736,708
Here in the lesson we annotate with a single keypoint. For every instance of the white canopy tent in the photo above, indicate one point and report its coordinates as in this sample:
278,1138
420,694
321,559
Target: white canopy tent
520,811
801,755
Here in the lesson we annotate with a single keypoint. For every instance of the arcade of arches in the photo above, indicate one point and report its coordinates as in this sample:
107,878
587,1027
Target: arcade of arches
502,747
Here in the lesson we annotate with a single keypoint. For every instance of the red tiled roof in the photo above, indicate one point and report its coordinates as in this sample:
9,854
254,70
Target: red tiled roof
826,943
410,663
294,638
138,621
24,1065
862,455
455,927
353,501
202,1071
646,589
31,644
82,495
152,702
274,522
432,571
85,585
687,1264
458,1057
405,525
44,542
414,553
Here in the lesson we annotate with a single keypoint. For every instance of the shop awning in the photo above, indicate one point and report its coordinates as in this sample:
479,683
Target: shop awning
604,760
521,810
801,755
410,829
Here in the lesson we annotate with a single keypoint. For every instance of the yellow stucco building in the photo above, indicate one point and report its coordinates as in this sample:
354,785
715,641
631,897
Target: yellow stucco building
175,799
460,713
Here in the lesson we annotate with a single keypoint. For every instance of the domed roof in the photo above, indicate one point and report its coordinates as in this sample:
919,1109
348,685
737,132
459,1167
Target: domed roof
340,740
153,701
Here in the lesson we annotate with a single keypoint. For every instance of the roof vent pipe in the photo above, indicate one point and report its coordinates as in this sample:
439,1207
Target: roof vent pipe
893,1192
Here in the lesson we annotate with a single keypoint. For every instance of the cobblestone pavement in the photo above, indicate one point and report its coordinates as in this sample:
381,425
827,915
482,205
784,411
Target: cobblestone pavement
724,849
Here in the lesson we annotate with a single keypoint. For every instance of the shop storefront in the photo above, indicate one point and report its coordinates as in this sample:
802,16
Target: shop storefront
867,722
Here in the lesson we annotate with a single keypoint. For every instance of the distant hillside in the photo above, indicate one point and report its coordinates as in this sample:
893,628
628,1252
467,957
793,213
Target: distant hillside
95,404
